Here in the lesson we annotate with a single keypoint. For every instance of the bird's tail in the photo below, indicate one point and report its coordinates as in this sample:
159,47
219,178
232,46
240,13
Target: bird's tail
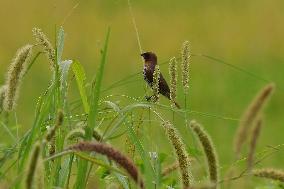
177,105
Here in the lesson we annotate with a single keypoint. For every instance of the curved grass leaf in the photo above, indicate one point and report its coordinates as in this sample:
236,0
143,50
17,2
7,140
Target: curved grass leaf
94,105
80,76
97,90
59,44
64,67
32,63
98,162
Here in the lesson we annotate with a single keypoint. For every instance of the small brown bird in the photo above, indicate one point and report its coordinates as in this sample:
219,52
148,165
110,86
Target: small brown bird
150,62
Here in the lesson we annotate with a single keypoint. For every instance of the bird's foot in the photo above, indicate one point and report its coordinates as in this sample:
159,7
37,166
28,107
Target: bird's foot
152,98
148,98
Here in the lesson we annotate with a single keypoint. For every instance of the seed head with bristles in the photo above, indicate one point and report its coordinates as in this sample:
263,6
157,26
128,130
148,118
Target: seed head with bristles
33,165
209,150
113,154
254,137
50,137
185,55
42,39
97,135
59,122
250,116
156,80
173,80
2,96
14,76
181,153
39,176
269,173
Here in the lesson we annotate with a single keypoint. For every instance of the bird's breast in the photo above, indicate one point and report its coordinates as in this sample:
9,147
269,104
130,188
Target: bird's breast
148,74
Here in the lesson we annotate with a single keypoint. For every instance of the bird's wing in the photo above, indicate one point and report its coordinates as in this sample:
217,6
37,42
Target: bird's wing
163,87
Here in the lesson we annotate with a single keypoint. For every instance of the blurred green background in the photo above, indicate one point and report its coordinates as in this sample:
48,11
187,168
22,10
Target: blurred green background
248,34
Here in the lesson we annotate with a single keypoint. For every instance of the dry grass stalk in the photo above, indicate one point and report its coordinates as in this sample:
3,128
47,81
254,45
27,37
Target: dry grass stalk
255,134
14,77
209,150
113,154
181,153
250,116
170,169
269,173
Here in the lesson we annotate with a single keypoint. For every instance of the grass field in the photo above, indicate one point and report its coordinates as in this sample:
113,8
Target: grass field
236,49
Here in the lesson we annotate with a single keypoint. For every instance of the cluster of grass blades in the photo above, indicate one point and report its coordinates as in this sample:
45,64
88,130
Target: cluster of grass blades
67,149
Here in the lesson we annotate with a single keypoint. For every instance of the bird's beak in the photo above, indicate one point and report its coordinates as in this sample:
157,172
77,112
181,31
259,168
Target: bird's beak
142,54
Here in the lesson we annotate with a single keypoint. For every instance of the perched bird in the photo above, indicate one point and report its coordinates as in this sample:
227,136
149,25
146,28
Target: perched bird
150,62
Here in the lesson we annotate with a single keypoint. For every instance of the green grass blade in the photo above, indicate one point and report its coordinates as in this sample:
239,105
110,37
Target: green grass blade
32,63
98,162
26,145
80,76
97,90
94,102
149,171
65,170
58,102
235,67
64,67
122,179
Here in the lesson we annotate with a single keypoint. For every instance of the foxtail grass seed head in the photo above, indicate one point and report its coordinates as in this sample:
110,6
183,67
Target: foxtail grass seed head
269,173
59,122
181,153
15,75
97,135
2,96
42,39
209,150
112,154
50,137
173,80
254,137
75,134
185,58
32,165
250,116
156,80
39,177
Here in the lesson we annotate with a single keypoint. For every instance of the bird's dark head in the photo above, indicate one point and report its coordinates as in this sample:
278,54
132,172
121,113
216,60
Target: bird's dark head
149,56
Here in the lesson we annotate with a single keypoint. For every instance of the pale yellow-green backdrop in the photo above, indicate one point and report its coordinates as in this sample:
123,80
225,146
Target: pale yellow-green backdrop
245,33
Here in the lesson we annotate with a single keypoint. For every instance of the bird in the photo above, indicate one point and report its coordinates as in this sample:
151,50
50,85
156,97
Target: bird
150,62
